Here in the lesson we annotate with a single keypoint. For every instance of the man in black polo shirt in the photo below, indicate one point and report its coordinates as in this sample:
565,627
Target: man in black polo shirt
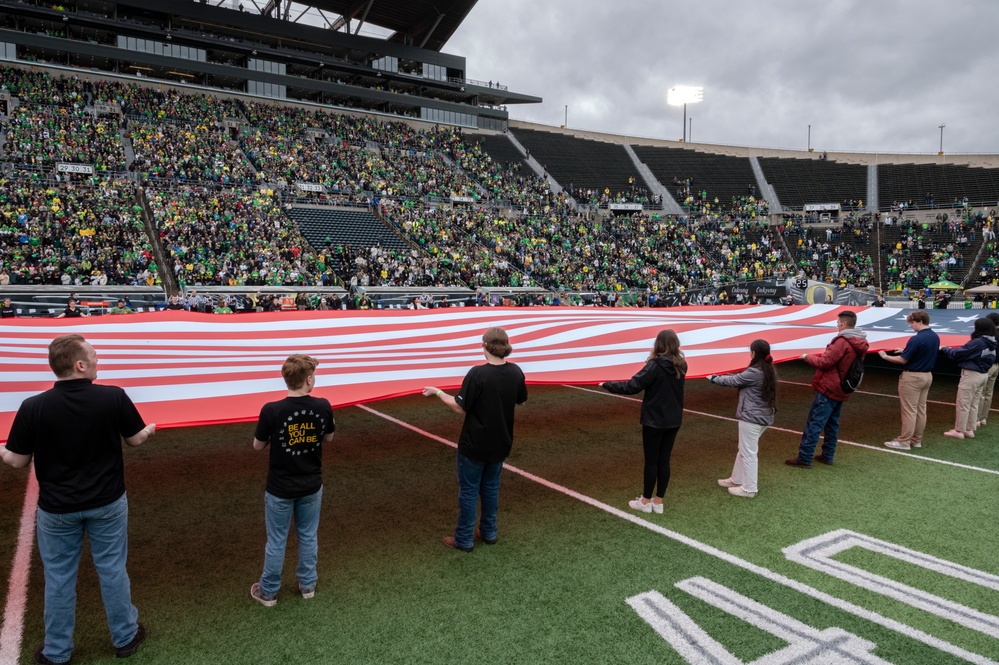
919,357
74,431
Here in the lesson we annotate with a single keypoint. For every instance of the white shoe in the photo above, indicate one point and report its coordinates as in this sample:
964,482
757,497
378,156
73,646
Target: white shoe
741,491
637,504
657,508
727,482
969,434
954,434
916,444
982,423
897,445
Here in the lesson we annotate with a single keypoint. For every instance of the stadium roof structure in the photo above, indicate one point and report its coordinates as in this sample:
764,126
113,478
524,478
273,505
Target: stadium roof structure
426,24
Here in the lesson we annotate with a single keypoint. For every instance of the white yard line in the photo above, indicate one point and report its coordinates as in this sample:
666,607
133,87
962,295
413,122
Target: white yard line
844,605
17,591
880,449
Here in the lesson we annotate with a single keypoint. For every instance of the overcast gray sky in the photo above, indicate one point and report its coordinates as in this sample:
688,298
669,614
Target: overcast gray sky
867,75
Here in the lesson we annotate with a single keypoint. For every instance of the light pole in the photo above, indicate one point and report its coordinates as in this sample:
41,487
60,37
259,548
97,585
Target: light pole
565,122
682,95
690,132
941,139
809,138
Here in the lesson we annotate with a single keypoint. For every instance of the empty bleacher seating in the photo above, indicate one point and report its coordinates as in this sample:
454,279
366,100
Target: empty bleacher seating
358,228
583,164
722,177
799,182
936,185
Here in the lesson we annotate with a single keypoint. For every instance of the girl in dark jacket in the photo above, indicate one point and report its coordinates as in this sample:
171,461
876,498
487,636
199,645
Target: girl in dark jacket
662,411
757,386
975,359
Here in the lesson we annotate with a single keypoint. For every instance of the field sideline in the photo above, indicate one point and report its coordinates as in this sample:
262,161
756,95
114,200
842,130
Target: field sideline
909,569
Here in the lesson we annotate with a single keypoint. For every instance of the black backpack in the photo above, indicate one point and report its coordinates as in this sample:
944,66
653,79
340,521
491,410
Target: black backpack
854,375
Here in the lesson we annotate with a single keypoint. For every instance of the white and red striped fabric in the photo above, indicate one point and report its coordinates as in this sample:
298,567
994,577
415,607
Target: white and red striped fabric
190,369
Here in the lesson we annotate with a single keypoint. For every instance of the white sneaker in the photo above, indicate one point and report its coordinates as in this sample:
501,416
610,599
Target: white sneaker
741,491
969,434
982,423
727,482
954,434
916,444
657,508
636,504
897,445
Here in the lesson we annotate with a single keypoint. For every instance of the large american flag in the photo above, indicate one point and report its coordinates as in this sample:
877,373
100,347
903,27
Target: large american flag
190,369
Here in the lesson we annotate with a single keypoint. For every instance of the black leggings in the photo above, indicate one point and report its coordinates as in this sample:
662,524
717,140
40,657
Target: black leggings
658,445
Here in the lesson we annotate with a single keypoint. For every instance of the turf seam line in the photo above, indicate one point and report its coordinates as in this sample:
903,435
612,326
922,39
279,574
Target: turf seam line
844,605
17,591
857,444
888,395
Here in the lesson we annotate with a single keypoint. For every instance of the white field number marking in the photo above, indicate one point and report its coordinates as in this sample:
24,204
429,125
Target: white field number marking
817,553
806,644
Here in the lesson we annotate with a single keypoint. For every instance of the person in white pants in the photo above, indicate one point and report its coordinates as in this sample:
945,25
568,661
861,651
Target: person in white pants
757,386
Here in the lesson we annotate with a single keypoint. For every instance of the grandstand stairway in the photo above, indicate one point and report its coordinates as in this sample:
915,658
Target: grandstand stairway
167,277
127,145
872,188
769,193
670,206
537,168
323,226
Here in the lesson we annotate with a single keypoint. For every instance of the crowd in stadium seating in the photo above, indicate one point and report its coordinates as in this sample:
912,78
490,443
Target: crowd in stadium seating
41,137
165,151
233,238
507,226
73,235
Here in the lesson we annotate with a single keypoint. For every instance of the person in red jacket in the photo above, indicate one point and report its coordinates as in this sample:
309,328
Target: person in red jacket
830,368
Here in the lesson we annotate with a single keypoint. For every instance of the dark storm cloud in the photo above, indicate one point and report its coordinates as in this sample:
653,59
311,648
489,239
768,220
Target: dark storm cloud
867,75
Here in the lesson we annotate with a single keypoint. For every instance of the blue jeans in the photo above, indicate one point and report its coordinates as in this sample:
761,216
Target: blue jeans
277,515
477,480
822,417
60,541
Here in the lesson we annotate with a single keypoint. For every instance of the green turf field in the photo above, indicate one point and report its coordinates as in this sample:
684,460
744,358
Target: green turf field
556,587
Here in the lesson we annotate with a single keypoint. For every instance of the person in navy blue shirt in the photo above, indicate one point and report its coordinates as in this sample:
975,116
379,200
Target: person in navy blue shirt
918,358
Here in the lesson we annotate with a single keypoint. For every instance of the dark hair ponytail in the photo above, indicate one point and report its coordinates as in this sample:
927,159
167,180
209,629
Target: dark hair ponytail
762,359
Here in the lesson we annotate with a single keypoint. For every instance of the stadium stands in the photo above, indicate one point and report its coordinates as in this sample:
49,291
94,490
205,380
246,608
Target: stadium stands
799,182
698,178
936,185
465,208
324,226
591,171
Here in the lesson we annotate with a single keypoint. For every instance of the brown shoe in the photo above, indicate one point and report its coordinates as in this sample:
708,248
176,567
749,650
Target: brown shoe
796,461
449,541
822,459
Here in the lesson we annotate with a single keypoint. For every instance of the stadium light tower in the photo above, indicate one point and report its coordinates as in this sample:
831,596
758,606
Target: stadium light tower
682,95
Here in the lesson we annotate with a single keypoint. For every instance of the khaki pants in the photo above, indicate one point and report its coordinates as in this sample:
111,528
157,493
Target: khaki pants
969,394
913,387
986,403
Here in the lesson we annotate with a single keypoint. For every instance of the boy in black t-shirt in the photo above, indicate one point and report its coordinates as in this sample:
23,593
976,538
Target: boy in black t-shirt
487,399
296,428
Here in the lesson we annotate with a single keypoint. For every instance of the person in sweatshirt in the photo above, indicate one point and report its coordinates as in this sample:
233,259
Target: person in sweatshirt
757,386
830,368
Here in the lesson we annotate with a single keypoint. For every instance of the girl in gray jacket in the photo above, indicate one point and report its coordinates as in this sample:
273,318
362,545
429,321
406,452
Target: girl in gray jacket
757,386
